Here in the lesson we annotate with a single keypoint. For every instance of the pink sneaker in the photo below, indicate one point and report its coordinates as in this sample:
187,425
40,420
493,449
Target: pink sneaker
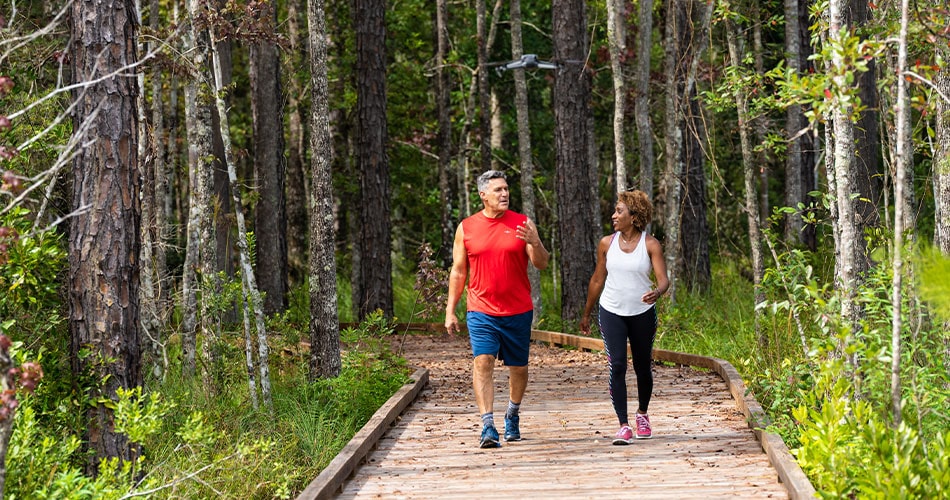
643,427
624,435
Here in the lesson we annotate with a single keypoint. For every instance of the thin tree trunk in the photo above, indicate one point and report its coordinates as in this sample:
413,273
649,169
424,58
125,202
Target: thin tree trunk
617,46
270,215
941,165
149,290
794,123
678,92
849,238
444,103
642,103
249,358
904,167
496,143
484,102
249,284
751,196
199,252
297,182
524,148
866,165
324,322
104,267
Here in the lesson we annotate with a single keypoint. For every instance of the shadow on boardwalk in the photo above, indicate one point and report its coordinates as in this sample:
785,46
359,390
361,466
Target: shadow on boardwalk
702,445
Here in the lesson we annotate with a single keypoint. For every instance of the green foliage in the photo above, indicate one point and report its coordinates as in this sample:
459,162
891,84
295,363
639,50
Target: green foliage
934,285
29,279
849,448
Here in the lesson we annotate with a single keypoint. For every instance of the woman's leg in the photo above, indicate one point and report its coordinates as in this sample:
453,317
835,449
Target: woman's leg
642,334
614,332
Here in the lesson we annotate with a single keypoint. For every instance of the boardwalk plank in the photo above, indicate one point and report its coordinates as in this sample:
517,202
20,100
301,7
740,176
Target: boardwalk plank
702,448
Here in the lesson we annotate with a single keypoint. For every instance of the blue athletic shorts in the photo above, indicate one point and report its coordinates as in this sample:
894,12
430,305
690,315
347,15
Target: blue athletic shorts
505,337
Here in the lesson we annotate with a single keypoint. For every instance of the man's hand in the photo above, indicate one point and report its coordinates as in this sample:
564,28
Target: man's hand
451,323
528,232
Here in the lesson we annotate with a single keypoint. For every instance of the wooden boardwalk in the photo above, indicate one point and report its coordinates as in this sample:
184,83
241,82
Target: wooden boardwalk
702,447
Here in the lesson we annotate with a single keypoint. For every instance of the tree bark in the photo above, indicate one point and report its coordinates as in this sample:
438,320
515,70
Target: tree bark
375,234
681,63
270,215
444,104
904,166
749,172
298,184
104,234
325,359
794,123
848,248
867,171
642,103
617,46
941,166
525,158
200,260
249,284
695,272
572,93
484,101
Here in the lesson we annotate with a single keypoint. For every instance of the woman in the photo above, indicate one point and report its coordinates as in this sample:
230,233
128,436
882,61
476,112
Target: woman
625,261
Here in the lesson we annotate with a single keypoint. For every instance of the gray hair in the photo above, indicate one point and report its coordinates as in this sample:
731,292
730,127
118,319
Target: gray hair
483,179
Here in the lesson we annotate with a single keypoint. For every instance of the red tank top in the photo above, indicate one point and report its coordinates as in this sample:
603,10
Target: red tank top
498,265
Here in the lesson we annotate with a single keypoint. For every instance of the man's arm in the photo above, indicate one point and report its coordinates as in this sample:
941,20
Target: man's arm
537,254
457,276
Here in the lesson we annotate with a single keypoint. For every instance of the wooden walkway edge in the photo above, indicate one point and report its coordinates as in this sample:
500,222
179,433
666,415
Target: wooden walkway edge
328,483
331,480
792,476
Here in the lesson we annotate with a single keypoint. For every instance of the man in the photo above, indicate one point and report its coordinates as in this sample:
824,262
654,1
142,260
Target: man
492,249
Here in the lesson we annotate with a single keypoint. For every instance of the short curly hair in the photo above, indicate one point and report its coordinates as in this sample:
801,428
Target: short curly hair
638,203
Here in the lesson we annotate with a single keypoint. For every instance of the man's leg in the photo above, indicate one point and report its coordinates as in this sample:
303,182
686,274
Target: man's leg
517,383
483,370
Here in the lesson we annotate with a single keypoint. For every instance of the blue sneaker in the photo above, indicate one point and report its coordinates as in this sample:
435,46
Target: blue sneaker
489,437
512,430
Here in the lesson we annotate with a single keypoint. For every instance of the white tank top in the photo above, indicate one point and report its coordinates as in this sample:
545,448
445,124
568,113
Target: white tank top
628,278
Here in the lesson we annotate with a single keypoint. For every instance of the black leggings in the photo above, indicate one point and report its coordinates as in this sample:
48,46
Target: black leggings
639,330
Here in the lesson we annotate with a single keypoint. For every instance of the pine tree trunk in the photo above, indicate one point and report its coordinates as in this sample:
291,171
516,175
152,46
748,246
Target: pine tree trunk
375,240
695,273
866,170
525,158
572,93
794,123
617,46
104,268
642,103
325,359
270,215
